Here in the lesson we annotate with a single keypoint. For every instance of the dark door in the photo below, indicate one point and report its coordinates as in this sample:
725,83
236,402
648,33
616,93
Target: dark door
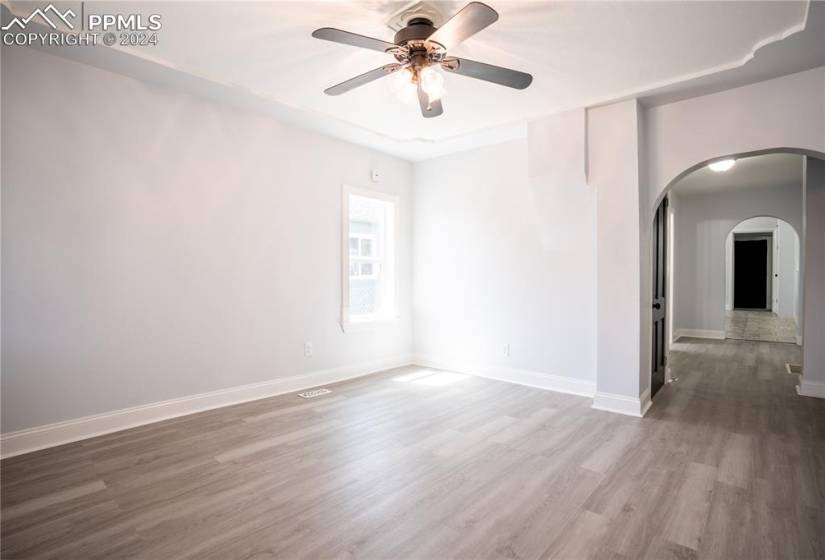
750,273
659,292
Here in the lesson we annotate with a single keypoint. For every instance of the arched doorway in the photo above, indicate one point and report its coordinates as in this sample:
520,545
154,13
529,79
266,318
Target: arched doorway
763,284
696,286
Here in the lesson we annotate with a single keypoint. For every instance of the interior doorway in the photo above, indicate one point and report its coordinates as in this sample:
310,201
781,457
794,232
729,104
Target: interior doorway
763,296
659,328
752,204
752,271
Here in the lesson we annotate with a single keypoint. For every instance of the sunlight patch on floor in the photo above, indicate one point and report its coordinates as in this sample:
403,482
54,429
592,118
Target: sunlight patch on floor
431,377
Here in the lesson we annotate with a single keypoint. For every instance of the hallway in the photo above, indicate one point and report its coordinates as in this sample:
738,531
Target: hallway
759,326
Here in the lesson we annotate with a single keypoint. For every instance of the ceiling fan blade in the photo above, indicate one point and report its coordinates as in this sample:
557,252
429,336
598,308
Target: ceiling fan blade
365,78
487,72
471,19
429,109
347,38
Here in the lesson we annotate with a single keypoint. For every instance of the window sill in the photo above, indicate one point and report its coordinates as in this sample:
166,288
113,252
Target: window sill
370,325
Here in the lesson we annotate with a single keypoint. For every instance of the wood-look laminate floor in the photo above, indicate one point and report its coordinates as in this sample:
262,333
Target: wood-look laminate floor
729,463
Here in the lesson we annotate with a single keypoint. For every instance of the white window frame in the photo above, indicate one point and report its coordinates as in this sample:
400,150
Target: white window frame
348,323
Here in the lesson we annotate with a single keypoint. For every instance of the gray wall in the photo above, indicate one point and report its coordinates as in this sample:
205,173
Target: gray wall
621,276
790,277
485,277
157,246
702,223
813,364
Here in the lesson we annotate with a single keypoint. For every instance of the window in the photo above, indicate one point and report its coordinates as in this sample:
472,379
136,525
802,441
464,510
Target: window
363,258
369,256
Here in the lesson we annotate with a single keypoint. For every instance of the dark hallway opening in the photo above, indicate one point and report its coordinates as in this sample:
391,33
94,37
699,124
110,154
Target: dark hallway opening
751,272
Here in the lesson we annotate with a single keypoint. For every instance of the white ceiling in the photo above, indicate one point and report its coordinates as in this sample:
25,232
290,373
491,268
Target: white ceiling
580,54
756,172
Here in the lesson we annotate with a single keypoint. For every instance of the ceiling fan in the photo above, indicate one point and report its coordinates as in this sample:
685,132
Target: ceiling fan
420,48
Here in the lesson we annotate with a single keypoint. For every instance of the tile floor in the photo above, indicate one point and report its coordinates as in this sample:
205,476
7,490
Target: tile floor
759,325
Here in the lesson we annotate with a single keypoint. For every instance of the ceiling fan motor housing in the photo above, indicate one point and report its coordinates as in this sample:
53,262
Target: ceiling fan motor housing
414,46
418,29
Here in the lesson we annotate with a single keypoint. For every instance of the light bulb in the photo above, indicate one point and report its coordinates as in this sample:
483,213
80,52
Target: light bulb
432,82
722,165
403,86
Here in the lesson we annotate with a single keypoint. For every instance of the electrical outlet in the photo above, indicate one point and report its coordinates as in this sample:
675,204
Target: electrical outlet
507,350
307,349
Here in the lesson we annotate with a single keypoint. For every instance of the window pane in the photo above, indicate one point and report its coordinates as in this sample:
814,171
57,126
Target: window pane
371,249
366,247
362,294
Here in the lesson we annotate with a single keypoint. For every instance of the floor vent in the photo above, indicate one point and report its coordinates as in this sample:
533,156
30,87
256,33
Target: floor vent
793,369
313,393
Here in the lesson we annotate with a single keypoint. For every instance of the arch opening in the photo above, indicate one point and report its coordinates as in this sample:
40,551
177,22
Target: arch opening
706,212
763,281
669,186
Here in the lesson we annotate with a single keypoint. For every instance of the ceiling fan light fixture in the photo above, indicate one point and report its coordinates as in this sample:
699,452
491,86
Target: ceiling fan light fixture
722,165
432,82
402,85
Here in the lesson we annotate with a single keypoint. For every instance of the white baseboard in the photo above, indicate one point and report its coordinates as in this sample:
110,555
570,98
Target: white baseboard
602,401
42,437
699,333
536,379
623,404
646,402
811,388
